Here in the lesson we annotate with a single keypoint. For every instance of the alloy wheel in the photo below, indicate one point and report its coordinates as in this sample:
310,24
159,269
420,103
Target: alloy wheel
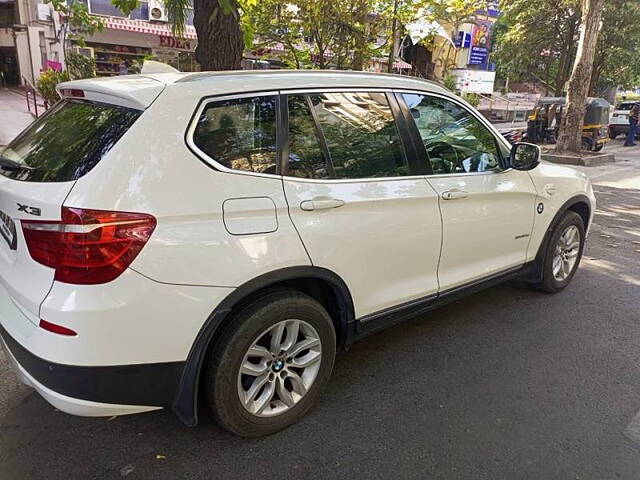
565,254
279,368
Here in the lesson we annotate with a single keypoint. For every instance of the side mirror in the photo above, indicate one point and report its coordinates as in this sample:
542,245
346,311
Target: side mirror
525,156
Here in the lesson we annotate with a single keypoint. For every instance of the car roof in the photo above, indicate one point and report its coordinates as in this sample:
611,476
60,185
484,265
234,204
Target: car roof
139,91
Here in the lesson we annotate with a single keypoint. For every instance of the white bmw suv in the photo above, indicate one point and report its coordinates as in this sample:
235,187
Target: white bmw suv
210,239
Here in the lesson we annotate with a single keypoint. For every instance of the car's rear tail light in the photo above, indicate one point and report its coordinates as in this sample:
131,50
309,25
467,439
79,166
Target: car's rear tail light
88,247
59,329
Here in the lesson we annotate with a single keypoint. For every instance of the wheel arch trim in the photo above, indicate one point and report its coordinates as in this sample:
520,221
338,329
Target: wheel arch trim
186,400
535,273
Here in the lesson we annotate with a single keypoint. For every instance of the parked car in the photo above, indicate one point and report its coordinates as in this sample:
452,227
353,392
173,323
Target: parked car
619,123
180,240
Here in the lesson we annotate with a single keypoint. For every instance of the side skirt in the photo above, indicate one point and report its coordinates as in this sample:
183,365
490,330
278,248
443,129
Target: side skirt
377,321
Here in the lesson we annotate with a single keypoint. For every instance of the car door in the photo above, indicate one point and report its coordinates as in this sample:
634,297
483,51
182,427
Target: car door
362,207
487,213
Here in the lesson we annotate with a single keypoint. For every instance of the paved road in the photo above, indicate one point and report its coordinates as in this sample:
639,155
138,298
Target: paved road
506,384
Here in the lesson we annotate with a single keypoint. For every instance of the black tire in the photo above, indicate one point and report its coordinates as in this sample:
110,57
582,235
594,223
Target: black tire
549,283
223,365
598,147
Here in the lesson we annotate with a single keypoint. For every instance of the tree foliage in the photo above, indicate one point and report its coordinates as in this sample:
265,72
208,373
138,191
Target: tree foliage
346,34
537,42
319,33
46,84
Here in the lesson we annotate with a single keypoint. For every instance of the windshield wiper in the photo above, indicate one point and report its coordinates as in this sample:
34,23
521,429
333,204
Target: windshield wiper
8,164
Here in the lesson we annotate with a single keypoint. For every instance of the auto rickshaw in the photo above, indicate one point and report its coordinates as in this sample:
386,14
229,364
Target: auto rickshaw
543,124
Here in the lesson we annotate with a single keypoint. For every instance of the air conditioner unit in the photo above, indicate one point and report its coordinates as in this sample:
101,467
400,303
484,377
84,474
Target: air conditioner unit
157,11
85,51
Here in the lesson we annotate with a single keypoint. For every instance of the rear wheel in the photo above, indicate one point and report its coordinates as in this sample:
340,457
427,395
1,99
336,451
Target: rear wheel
271,364
563,254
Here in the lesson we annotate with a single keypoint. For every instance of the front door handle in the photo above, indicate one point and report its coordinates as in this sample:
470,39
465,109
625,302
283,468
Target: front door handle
454,194
321,204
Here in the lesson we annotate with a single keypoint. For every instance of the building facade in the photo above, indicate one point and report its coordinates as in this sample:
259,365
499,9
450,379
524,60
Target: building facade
145,33
29,40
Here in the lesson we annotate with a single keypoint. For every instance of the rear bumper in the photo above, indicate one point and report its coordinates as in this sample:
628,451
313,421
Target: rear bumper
65,403
146,386
133,339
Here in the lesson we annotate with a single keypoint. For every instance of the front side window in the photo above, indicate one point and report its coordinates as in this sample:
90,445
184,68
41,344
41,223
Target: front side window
344,136
239,133
456,141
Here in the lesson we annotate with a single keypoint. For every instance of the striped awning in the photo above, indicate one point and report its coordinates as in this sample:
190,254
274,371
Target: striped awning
141,26
399,64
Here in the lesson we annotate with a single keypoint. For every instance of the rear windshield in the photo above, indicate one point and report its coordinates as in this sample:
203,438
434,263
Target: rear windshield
66,142
625,106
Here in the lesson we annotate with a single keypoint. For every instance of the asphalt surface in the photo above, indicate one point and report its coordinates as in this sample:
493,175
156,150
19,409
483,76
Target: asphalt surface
507,384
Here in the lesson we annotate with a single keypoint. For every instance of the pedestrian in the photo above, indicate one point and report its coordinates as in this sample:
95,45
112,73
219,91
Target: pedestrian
634,114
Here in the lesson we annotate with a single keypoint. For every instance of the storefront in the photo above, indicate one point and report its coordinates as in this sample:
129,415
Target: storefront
125,43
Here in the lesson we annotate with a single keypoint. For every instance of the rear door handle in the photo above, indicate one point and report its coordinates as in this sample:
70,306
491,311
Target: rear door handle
454,194
321,204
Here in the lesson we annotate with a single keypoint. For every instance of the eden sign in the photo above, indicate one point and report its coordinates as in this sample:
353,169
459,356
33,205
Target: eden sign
173,42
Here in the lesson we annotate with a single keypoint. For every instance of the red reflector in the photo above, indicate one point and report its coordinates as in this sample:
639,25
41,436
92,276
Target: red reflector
88,247
59,329
72,92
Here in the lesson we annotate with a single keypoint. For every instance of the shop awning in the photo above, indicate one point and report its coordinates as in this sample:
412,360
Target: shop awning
140,26
399,64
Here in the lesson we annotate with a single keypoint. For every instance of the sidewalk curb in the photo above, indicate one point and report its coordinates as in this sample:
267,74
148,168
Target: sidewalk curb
587,160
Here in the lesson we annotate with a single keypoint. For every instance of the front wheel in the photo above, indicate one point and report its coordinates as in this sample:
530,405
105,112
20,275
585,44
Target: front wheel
598,147
271,364
563,254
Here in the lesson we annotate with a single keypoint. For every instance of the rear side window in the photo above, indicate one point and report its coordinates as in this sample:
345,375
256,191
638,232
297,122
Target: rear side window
344,136
239,133
66,142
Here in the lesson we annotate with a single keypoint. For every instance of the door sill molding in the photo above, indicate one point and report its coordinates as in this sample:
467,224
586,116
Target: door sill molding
379,320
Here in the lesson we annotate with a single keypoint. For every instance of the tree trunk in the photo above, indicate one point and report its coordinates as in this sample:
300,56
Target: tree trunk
394,33
220,39
570,137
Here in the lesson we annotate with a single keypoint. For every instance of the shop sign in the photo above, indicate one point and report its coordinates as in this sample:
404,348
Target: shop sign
50,64
480,43
462,40
173,42
475,81
492,9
